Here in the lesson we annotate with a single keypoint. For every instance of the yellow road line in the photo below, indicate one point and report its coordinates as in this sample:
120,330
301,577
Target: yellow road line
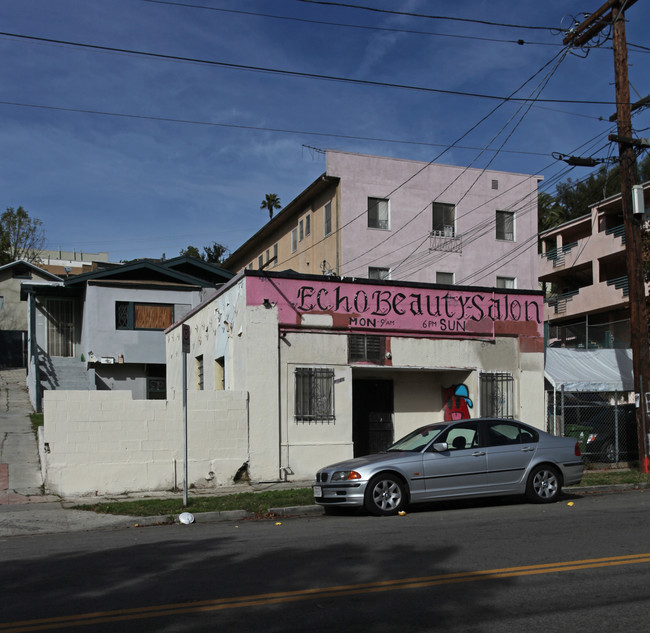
220,604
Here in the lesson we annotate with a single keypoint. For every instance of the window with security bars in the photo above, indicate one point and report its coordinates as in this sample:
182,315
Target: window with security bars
506,225
497,395
143,316
365,347
314,394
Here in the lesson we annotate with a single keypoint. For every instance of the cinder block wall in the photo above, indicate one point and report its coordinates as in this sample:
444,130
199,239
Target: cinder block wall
104,442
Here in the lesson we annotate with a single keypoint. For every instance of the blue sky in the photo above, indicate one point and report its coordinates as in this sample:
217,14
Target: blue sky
139,156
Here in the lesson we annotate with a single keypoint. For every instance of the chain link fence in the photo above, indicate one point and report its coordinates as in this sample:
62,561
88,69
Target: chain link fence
604,423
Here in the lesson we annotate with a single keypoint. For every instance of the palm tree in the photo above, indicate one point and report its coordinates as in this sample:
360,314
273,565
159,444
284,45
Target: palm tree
271,202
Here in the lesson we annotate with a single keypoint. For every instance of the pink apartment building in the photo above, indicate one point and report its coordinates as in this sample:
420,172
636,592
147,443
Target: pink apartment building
387,218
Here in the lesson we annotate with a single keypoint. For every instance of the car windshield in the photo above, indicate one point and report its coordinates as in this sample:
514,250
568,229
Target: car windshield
418,439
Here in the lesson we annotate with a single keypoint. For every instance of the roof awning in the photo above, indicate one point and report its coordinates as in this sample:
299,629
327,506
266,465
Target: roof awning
590,370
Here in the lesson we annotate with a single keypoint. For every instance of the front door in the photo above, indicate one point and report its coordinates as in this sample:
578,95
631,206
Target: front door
372,415
61,327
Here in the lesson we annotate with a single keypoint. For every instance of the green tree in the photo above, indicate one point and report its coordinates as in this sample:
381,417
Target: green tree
21,237
573,198
271,202
191,251
212,254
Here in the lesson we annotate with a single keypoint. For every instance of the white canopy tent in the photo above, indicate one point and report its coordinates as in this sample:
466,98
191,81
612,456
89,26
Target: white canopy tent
590,370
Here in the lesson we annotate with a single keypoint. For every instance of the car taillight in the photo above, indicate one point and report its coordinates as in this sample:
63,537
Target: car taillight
576,450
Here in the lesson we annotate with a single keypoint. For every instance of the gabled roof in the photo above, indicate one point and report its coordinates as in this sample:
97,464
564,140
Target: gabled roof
21,264
146,270
198,268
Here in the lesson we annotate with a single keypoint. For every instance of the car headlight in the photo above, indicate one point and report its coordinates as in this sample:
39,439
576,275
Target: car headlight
343,475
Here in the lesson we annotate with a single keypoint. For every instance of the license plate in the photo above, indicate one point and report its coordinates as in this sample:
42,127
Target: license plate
318,491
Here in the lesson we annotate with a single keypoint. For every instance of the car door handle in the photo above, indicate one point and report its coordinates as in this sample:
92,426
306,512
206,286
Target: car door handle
527,449
478,454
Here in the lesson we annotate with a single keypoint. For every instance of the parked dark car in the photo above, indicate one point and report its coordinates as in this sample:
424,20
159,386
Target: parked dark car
468,458
595,430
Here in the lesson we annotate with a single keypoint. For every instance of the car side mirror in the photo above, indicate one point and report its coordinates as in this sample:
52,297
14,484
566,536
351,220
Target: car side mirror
441,447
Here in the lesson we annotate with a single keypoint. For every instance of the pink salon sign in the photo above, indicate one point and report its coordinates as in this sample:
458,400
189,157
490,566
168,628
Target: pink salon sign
414,309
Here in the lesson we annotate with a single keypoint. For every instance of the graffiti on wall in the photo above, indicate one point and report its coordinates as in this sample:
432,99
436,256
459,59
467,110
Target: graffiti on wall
457,402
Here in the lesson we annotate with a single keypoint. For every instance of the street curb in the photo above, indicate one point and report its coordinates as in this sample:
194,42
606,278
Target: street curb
225,515
607,488
316,510
239,515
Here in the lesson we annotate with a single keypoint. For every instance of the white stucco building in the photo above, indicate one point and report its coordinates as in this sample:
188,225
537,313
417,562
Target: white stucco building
334,368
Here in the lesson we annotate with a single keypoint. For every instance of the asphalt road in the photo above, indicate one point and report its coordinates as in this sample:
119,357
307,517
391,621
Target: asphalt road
582,564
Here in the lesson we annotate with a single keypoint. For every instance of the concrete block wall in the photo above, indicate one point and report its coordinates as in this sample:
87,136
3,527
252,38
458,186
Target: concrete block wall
104,442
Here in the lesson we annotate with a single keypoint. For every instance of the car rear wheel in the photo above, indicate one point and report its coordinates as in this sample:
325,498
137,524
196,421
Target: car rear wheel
385,495
544,484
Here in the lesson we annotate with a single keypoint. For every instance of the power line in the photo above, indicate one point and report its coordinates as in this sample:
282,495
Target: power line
560,55
250,127
364,27
428,17
294,73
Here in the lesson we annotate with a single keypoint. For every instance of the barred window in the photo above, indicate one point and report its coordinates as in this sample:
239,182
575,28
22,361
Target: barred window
366,347
122,321
314,394
143,316
497,391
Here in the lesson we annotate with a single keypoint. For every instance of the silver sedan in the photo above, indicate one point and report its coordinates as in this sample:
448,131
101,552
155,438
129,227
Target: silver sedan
469,458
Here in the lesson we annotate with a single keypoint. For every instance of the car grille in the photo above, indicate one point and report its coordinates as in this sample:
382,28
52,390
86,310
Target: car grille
321,477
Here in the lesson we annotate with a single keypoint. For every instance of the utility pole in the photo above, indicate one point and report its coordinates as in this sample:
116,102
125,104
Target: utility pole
612,13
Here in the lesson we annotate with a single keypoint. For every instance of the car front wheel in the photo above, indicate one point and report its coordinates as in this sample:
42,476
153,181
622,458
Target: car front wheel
385,495
544,484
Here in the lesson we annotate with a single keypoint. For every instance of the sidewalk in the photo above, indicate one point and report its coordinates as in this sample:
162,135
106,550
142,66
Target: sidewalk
49,514
20,470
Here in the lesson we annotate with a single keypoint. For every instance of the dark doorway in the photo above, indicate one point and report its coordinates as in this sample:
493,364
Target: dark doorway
372,415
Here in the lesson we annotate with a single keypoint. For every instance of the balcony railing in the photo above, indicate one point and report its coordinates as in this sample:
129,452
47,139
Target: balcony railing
557,255
446,241
620,283
558,302
617,231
